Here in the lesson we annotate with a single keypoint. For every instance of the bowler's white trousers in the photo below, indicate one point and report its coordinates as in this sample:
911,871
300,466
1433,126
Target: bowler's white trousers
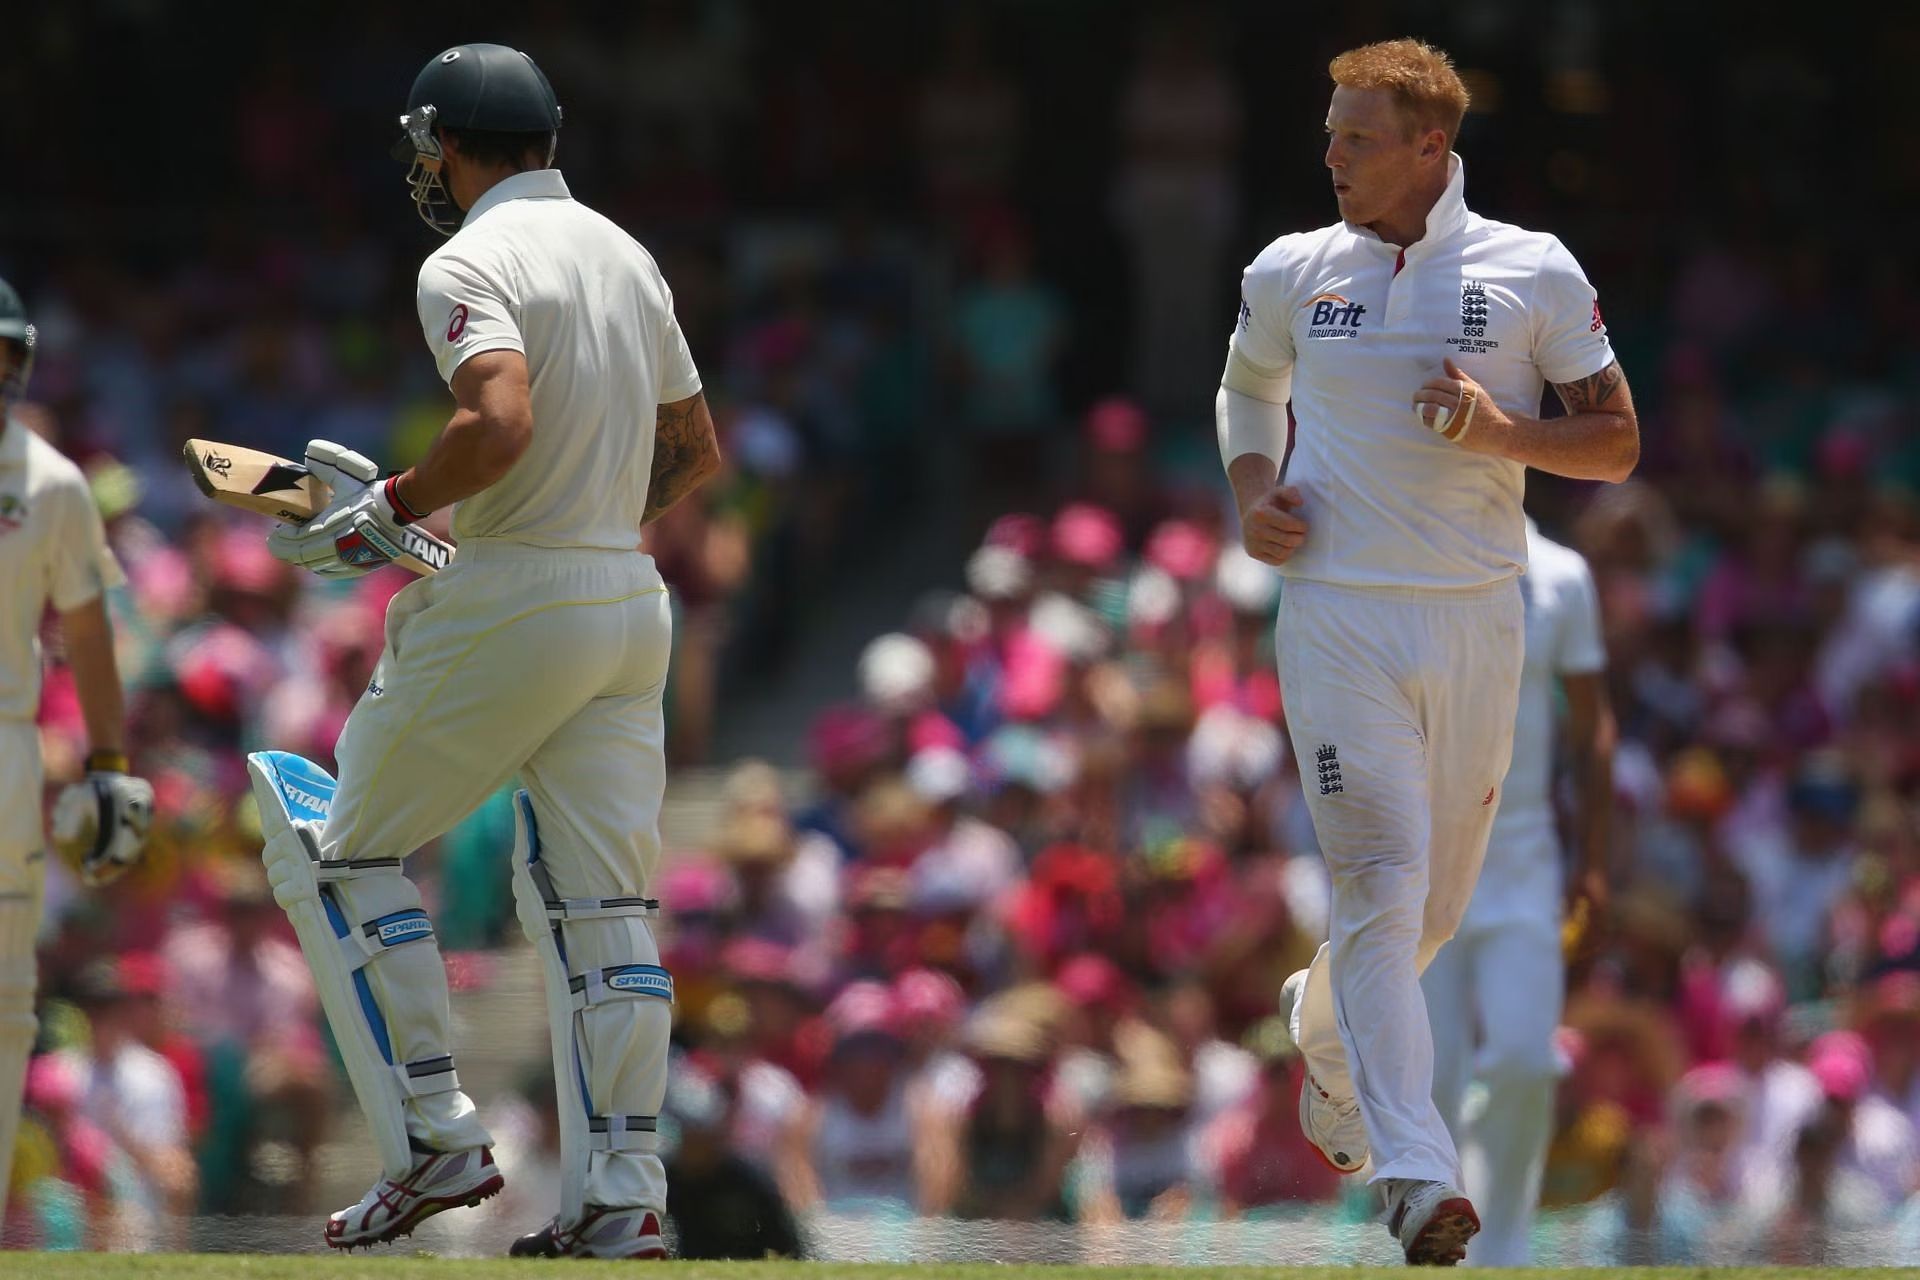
1401,705
550,664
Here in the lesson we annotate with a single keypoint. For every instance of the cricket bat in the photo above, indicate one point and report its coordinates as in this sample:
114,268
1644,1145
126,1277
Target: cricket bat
273,486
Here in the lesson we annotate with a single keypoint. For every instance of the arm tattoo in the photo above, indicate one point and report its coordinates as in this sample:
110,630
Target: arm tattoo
683,453
1595,393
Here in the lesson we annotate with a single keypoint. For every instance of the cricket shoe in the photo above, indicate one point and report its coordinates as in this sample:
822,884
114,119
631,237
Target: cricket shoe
439,1180
1432,1220
600,1232
1333,1125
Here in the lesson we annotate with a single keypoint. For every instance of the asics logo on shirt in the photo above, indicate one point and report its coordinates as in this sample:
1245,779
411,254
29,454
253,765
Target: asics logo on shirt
1333,316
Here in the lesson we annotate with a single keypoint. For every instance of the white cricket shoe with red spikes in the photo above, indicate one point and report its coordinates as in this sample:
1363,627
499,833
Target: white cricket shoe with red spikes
439,1180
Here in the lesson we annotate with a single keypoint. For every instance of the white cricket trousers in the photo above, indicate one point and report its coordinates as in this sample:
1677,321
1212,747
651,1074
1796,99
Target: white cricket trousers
22,880
1400,703
550,664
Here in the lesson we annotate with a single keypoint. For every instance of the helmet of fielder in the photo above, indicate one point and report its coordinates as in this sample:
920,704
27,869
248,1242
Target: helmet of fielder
485,88
15,330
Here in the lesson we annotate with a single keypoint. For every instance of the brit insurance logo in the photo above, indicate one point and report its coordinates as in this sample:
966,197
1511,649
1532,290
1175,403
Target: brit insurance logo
1473,319
1333,316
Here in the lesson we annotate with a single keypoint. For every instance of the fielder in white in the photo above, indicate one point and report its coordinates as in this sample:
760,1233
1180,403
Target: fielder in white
53,550
1494,993
541,652
1376,421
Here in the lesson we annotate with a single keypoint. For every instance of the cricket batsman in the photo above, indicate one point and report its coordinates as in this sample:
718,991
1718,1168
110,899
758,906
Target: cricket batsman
1376,422
53,549
540,652
1494,993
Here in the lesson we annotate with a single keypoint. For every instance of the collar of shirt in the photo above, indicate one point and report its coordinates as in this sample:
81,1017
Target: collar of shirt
13,444
1448,215
534,184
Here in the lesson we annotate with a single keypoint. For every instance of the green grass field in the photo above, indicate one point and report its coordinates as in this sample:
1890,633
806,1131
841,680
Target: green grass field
382,1265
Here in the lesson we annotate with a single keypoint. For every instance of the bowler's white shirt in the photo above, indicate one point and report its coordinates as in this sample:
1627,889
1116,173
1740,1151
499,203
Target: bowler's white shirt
1389,502
53,549
534,271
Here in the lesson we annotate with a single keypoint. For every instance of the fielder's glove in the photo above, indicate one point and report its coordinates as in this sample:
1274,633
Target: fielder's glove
358,531
101,823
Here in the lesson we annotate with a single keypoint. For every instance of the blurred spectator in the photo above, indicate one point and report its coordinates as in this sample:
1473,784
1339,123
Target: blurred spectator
1174,199
863,1152
1778,1096
1008,331
246,995
137,1099
1136,1161
1003,1153
1681,1200
718,1205
66,1171
1877,1145
1258,1156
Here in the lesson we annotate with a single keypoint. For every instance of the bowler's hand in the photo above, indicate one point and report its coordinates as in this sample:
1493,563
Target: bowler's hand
1272,529
1464,413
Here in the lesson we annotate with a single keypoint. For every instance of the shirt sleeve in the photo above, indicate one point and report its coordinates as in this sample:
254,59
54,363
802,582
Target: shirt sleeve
679,378
1262,337
80,565
1582,650
463,313
1569,337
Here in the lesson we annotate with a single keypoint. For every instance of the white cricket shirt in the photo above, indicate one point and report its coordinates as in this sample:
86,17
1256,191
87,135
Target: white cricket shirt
1522,876
532,270
1358,330
53,547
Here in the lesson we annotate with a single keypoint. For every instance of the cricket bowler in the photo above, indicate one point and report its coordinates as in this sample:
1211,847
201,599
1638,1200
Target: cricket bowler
1408,345
541,652
53,550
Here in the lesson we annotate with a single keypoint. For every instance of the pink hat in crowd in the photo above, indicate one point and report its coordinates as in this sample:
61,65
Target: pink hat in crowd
863,1008
1843,1064
694,884
759,960
846,737
54,1083
1116,425
1086,535
1710,1082
142,973
1181,549
1018,531
162,581
1033,681
1091,980
928,1000
245,564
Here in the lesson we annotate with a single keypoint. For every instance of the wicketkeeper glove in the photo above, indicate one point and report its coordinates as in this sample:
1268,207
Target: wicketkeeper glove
358,531
101,822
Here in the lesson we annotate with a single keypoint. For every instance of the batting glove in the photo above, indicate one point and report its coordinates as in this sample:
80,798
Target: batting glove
358,531
101,822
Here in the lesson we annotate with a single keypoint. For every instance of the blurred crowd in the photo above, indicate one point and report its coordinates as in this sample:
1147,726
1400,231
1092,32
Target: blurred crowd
1010,948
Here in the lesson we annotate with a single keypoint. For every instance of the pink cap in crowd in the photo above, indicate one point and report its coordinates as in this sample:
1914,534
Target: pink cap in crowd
1116,425
1086,535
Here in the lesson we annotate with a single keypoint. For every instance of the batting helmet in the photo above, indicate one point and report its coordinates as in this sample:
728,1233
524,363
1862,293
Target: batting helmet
15,331
482,88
